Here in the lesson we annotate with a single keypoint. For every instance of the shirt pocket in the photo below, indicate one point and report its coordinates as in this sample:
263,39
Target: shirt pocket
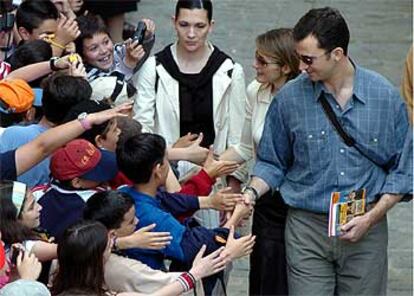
314,149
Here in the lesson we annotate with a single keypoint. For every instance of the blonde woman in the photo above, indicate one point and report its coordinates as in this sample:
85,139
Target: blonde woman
275,63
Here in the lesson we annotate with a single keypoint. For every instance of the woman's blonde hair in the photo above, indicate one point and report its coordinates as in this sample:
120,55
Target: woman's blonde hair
279,45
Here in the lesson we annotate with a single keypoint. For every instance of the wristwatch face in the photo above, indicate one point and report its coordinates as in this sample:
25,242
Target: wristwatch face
82,115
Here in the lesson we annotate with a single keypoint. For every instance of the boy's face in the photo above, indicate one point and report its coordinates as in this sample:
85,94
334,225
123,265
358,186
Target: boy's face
165,168
47,27
98,51
128,224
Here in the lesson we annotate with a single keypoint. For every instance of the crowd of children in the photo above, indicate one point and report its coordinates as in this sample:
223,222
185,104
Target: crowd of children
91,201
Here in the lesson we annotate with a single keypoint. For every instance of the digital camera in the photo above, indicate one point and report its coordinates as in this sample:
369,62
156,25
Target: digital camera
140,32
6,22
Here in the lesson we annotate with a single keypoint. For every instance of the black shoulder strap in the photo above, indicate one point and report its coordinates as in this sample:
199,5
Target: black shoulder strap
157,77
348,140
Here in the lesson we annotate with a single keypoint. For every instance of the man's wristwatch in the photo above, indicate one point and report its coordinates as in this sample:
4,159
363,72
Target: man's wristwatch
252,192
83,119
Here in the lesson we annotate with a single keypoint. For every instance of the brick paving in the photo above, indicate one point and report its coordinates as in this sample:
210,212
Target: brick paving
381,34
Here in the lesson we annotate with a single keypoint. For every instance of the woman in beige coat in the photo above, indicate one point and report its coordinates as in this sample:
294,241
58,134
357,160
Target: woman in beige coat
275,63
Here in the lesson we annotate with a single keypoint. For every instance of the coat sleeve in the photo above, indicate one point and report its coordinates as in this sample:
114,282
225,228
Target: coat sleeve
144,107
237,102
245,147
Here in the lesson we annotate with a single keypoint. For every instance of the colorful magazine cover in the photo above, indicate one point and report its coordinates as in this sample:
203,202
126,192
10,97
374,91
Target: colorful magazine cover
343,207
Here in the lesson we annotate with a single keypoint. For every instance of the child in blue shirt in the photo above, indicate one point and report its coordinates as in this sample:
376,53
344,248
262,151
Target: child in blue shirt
143,159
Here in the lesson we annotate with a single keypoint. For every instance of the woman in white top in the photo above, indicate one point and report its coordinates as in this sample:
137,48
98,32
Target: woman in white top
276,63
193,87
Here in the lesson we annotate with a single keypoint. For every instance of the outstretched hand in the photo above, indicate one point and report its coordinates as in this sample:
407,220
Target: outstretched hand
208,265
144,238
217,168
237,248
224,200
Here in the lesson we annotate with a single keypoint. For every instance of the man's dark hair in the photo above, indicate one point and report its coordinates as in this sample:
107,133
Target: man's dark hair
31,13
89,25
108,207
60,93
327,25
138,156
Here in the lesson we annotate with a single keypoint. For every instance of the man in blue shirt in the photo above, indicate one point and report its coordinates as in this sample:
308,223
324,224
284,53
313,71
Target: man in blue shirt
302,154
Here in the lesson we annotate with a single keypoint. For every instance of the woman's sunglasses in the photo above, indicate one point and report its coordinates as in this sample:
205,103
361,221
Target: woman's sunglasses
262,62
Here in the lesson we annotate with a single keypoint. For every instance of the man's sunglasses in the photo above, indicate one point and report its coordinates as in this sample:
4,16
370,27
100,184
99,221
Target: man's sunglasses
308,60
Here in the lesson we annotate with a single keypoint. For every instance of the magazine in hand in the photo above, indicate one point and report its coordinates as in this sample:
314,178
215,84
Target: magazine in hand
343,207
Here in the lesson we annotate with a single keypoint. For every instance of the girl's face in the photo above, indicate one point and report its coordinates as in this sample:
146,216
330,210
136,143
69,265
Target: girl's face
193,27
76,5
267,69
128,224
111,137
98,51
30,215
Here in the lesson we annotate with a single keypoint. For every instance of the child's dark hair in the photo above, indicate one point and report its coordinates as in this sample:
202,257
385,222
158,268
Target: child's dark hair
31,52
9,119
61,93
90,106
81,259
195,4
89,25
31,13
108,207
129,127
138,156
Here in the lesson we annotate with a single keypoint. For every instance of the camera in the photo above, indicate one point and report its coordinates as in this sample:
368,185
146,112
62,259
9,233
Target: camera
140,32
7,22
16,250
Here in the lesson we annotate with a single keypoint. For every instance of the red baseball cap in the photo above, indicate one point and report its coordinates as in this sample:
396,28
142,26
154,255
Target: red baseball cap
80,158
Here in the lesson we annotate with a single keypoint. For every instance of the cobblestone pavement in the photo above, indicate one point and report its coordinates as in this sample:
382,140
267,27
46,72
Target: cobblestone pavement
381,33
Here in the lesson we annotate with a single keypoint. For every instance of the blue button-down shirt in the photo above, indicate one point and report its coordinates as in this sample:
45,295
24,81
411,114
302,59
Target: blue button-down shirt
301,153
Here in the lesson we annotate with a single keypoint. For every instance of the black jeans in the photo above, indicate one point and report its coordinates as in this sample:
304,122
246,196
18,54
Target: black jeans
268,272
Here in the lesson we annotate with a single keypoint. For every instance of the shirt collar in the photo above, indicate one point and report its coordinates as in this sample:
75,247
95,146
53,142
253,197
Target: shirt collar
142,196
359,91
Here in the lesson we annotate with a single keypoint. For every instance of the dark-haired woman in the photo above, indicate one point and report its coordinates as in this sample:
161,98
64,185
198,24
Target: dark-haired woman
276,63
86,248
191,86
